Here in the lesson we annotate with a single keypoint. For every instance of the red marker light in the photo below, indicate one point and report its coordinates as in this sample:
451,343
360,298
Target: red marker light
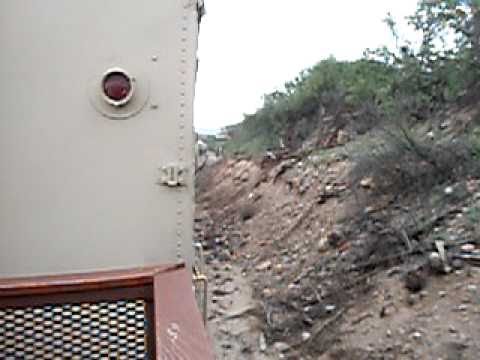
117,87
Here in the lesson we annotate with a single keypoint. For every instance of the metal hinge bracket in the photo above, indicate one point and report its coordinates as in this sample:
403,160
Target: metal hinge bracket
172,176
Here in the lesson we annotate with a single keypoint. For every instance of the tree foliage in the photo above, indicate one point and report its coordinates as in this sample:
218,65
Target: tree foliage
413,79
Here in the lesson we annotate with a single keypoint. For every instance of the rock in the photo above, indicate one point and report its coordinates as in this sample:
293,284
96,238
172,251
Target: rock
436,264
227,346
417,335
458,264
330,308
412,299
366,183
461,308
394,271
281,347
266,265
448,190
407,349
306,335
267,292
468,248
342,137
278,268
415,280
444,125
262,343
334,238
423,294
227,289
442,294
472,288
369,210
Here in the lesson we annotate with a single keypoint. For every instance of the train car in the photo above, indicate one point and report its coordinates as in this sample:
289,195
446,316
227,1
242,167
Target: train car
96,184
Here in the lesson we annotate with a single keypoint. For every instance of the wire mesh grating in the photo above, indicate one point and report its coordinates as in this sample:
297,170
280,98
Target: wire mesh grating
102,330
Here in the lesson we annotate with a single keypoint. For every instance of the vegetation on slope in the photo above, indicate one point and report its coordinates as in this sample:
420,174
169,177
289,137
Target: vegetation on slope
412,81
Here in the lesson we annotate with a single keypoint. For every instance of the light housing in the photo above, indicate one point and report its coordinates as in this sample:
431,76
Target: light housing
117,87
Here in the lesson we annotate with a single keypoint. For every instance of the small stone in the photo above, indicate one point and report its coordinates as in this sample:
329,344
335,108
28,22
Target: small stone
394,271
330,308
442,294
369,210
468,248
444,125
262,342
417,335
281,347
306,335
461,307
448,190
452,329
366,183
415,281
264,266
412,299
458,264
267,292
435,262
389,333
472,288
278,268
407,349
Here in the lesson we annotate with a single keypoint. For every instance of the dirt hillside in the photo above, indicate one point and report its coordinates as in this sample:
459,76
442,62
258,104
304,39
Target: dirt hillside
308,262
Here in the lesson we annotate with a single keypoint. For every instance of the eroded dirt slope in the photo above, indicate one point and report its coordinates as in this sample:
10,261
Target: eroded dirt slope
292,276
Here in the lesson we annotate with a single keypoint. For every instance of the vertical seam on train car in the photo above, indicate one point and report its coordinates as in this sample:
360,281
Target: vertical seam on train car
181,121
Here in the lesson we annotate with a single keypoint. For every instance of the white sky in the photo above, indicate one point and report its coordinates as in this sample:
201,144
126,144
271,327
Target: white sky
250,47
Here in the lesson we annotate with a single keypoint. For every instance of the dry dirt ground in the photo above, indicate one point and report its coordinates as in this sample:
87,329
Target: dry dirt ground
287,283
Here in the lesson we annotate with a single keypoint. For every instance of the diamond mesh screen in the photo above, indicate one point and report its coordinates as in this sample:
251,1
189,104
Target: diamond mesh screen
107,330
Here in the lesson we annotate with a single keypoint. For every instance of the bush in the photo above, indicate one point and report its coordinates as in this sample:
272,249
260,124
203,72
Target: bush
330,86
406,163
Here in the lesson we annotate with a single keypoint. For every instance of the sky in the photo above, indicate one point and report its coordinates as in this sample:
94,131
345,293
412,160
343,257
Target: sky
252,47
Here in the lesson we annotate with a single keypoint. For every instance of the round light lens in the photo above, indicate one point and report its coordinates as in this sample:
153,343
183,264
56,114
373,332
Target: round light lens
117,86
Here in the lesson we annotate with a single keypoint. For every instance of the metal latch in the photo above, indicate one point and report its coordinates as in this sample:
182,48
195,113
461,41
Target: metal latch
172,176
